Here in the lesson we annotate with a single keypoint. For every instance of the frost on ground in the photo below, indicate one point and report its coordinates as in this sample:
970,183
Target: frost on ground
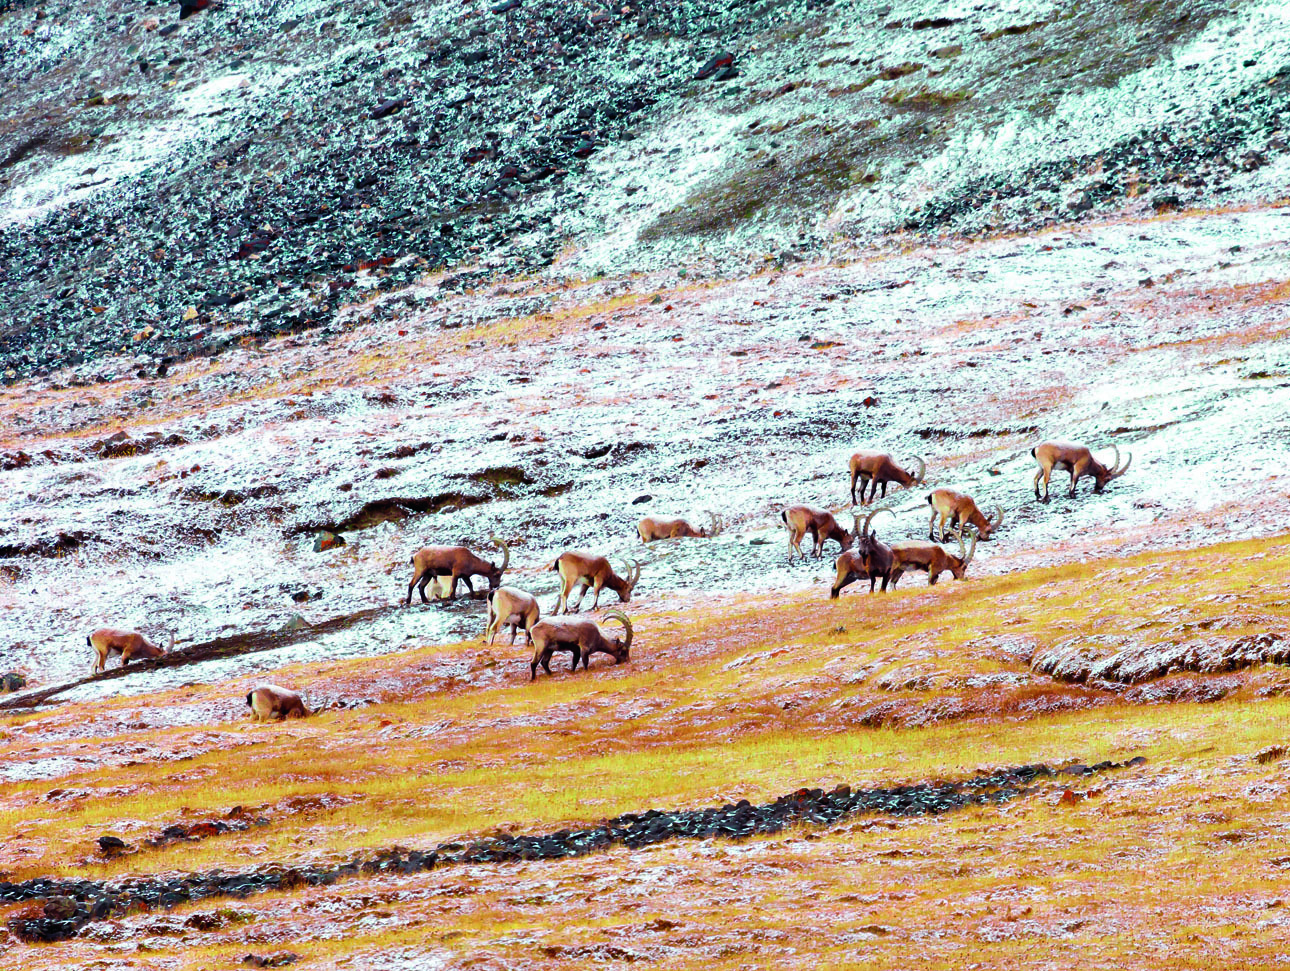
561,428
183,187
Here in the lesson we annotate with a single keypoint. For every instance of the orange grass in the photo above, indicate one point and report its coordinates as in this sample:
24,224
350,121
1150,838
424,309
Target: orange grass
718,693
738,697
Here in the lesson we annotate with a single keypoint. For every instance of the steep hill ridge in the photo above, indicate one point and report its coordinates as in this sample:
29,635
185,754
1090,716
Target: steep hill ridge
266,163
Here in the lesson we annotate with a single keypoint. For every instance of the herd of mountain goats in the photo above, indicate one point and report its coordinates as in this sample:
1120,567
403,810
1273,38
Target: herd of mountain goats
863,557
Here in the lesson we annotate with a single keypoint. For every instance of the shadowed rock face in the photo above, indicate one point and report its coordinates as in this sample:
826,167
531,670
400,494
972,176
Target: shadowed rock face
67,905
210,174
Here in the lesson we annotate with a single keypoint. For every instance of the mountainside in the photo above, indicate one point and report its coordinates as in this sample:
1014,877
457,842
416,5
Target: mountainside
175,185
291,291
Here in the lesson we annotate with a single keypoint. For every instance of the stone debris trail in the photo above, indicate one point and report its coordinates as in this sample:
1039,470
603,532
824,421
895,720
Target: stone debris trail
62,907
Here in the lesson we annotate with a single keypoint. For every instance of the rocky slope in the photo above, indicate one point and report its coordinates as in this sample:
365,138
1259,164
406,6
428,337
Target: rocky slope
176,180
557,417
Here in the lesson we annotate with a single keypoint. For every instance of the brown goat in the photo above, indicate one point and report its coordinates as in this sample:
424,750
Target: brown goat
874,468
870,560
932,559
652,528
960,510
1079,461
507,605
456,563
850,567
268,702
801,520
582,638
130,645
578,567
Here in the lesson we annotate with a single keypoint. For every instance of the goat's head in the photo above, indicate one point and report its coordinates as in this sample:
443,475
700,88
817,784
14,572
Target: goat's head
1102,475
630,579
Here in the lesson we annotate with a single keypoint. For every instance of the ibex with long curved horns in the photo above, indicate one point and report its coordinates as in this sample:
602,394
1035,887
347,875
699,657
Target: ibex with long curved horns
130,645
508,605
658,527
578,567
820,523
1079,461
930,558
871,559
871,469
455,563
582,638
960,510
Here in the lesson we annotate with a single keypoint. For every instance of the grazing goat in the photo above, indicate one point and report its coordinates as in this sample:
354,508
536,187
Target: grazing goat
507,605
657,527
801,520
455,563
582,638
130,645
870,560
578,567
268,702
1079,461
918,555
880,468
960,510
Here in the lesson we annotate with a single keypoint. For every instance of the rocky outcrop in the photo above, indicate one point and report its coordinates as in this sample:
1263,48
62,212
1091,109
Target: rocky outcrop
1091,659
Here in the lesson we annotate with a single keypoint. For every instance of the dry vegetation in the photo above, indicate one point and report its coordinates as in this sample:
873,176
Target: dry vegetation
727,699
1177,863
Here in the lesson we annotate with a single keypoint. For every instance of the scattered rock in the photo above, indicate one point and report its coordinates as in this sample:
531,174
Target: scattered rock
1270,754
391,107
327,541
296,623
271,961
13,681
899,70
112,845
69,904
59,908
189,7
714,64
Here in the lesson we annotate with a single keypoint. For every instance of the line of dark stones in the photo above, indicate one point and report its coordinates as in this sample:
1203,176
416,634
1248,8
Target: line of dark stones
67,905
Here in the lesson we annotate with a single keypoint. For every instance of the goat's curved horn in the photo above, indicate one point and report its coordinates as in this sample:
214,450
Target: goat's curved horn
869,518
633,573
1117,471
626,621
971,550
506,550
716,524
998,519
1115,466
922,471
